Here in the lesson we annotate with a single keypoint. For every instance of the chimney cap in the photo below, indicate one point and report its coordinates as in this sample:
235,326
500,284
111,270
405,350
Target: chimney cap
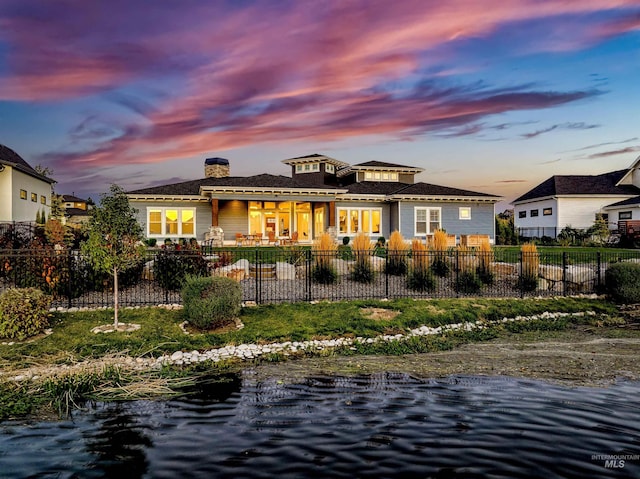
216,161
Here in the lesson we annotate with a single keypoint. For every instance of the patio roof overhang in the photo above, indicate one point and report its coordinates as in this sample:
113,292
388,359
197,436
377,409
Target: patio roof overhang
270,193
168,198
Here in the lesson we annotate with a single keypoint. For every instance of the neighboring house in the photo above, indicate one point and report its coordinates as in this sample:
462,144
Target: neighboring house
575,200
322,194
24,193
76,210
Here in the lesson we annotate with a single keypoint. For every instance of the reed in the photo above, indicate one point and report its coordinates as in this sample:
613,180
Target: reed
420,277
362,248
528,279
486,258
324,251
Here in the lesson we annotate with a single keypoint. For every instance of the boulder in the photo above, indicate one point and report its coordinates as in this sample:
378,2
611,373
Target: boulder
285,270
551,272
378,263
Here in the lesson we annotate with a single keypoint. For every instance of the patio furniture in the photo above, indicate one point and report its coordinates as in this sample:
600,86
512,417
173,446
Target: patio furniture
271,237
240,239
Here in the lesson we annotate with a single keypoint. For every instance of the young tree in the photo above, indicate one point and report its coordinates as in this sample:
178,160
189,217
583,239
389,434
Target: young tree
114,239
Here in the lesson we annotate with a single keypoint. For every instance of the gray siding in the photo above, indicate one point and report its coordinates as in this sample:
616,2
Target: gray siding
393,218
482,218
233,217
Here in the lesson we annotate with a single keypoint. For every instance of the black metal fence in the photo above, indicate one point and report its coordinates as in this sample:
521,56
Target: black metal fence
296,274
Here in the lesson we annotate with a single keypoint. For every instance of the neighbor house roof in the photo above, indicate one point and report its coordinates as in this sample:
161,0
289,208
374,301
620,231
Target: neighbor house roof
11,158
635,201
429,190
559,185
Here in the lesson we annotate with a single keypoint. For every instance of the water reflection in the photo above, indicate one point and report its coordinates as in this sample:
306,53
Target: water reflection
380,425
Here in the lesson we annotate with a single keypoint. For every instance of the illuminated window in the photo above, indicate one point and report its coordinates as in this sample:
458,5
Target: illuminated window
547,211
355,220
43,199
171,222
34,197
23,194
464,213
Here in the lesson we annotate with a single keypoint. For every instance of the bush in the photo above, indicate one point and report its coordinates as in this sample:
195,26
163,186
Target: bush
467,282
211,302
24,312
324,251
345,240
173,264
622,282
528,279
421,280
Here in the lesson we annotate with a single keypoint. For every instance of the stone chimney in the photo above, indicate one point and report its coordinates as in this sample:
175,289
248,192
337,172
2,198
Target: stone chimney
216,168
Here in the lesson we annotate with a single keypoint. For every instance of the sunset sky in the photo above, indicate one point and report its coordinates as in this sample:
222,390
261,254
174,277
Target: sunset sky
488,95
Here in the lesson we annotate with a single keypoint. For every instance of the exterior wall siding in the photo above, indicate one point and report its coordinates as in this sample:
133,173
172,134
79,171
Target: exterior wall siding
482,220
26,210
6,195
202,217
536,222
581,212
233,217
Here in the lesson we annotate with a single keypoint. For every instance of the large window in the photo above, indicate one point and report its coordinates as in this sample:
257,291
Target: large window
171,221
356,220
427,220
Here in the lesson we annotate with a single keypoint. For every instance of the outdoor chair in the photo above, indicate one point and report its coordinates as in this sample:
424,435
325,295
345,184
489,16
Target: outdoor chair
240,239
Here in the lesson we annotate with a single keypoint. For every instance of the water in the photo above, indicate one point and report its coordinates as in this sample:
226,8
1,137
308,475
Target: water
381,425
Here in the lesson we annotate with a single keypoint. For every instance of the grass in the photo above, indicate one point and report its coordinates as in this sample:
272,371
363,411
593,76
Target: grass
160,333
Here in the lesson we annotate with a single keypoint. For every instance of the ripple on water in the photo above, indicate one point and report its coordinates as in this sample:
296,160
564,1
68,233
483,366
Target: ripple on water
380,425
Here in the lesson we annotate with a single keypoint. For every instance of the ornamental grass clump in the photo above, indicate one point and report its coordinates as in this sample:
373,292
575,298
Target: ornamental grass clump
211,302
397,250
362,249
420,277
324,251
439,247
24,312
467,281
530,262
485,263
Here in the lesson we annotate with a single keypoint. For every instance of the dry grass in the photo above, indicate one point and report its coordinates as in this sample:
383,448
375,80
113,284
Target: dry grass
439,241
485,256
420,255
397,243
325,250
530,260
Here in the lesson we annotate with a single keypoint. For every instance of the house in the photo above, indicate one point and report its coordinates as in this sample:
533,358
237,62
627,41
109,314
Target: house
321,194
76,210
575,200
24,193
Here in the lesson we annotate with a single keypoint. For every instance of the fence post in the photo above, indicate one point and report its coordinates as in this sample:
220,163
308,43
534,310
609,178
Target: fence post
70,282
457,273
564,273
599,275
386,273
307,263
256,270
521,279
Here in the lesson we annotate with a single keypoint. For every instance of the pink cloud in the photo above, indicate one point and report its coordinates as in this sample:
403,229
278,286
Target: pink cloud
264,72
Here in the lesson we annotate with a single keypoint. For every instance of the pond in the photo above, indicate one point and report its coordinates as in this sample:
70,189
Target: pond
379,425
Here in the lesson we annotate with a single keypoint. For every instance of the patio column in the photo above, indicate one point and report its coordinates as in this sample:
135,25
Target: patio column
332,213
214,212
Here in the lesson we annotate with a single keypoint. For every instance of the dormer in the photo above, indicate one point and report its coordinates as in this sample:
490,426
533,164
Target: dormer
379,171
315,169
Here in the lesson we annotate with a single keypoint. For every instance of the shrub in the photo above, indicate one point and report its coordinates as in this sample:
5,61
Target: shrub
622,282
345,240
174,263
151,242
467,282
24,312
528,279
397,255
211,302
324,251
362,270
420,277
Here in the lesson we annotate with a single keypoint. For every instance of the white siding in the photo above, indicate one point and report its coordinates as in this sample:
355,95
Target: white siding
6,193
540,221
614,212
26,210
581,212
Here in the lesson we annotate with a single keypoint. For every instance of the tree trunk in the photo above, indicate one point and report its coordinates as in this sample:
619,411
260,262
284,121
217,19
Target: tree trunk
115,298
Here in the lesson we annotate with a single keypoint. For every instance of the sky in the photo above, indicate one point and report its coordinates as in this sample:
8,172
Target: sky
487,95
